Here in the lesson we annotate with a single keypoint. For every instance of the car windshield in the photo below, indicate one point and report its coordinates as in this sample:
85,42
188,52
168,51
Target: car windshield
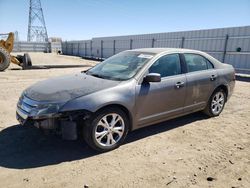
122,66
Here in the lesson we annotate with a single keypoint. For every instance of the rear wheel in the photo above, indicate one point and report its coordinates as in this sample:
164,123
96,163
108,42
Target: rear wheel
106,130
4,59
216,103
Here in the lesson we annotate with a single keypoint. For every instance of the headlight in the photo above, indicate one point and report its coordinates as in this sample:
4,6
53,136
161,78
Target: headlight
43,106
49,109
45,110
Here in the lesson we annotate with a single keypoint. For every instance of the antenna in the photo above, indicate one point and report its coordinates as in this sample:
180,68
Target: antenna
36,29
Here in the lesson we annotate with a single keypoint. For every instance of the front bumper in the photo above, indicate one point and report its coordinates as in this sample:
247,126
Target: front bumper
28,109
30,112
47,116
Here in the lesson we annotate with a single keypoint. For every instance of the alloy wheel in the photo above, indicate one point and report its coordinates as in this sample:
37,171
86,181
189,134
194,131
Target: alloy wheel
109,129
217,103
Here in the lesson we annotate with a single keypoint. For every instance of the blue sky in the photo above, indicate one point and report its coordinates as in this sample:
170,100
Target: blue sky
84,19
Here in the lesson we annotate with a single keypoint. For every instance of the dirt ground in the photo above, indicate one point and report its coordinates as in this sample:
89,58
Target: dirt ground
192,151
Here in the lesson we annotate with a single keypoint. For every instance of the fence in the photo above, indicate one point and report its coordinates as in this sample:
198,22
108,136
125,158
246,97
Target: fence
23,46
229,45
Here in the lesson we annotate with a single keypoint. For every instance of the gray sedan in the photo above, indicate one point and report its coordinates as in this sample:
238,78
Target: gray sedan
130,90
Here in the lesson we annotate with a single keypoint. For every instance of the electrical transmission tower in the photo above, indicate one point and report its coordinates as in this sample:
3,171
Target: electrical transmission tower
36,29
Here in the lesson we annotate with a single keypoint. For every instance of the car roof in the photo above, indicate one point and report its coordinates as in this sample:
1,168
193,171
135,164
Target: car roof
160,50
215,62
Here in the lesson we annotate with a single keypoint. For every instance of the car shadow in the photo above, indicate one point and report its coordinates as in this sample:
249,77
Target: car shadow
164,126
24,147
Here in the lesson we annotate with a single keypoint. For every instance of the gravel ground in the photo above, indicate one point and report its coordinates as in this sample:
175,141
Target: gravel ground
192,151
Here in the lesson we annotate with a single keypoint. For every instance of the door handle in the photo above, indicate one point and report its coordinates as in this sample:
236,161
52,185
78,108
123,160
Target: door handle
179,85
213,77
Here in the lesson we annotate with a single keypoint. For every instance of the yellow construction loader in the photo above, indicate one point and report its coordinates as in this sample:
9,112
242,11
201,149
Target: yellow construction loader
6,47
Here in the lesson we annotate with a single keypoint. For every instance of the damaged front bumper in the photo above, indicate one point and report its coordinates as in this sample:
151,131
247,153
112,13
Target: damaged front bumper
47,116
28,109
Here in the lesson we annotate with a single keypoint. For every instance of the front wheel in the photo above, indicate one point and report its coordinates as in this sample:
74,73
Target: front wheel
106,130
216,103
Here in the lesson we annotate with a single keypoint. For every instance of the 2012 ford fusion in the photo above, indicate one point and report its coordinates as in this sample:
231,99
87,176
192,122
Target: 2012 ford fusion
130,90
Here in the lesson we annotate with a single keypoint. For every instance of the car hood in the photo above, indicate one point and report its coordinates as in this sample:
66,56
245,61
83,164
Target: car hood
65,88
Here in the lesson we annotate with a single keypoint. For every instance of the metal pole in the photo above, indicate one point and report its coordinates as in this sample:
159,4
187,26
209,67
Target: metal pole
78,46
101,48
72,49
182,42
225,49
153,43
66,44
85,46
131,44
114,47
91,48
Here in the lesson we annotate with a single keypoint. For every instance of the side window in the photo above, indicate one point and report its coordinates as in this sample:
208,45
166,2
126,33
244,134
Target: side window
168,65
209,65
197,63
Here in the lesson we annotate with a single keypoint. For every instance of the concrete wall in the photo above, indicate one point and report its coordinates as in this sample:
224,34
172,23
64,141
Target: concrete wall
221,43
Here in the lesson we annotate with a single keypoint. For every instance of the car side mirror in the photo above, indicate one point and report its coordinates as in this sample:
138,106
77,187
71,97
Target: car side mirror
152,77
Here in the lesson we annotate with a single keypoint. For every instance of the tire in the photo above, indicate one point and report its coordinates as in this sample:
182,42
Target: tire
26,62
20,58
99,134
4,59
216,103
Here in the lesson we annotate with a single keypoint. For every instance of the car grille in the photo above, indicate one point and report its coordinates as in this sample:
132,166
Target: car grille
26,105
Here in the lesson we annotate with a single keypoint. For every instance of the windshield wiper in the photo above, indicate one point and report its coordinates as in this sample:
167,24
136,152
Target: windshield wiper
104,77
96,75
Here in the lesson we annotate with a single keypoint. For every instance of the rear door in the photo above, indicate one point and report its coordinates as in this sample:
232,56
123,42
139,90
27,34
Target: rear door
162,100
201,81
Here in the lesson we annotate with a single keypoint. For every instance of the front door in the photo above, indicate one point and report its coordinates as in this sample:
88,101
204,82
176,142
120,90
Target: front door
157,101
